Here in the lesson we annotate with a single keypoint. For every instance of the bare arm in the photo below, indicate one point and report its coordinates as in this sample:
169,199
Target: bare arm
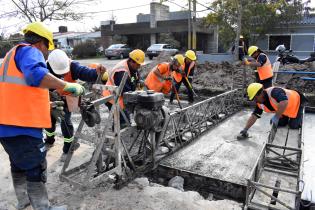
254,64
281,108
51,82
251,121
158,74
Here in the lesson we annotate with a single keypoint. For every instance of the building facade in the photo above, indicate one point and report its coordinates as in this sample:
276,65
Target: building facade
149,28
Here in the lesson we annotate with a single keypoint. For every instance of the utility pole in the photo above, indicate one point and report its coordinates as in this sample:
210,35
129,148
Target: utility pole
194,38
189,24
238,29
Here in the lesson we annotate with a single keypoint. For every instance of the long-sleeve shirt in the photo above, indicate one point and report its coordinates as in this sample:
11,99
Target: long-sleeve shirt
32,64
80,72
131,82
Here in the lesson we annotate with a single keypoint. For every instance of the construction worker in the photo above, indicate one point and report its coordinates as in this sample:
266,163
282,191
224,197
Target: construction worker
286,104
264,69
185,75
131,67
242,48
61,66
25,111
160,77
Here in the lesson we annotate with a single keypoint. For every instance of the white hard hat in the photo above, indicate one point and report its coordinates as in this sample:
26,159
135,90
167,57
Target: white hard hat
59,62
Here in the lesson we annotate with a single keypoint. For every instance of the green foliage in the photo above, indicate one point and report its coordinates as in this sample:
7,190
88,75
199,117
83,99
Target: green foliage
168,38
258,17
5,46
119,39
85,50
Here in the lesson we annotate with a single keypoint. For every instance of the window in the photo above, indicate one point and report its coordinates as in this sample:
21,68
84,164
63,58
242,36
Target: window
274,41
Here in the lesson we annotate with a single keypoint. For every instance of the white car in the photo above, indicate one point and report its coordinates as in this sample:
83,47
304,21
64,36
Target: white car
67,49
155,49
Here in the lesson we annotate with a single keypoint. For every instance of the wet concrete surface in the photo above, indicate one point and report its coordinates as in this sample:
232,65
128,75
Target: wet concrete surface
218,155
309,158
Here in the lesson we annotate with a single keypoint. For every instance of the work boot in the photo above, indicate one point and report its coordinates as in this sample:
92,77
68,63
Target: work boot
67,145
19,184
39,198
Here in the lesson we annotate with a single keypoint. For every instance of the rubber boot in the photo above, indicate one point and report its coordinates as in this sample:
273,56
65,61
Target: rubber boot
39,198
19,184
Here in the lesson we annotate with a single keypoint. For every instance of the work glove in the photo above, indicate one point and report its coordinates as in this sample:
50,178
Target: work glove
105,76
74,88
246,62
274,120
100,69
243,134
57,110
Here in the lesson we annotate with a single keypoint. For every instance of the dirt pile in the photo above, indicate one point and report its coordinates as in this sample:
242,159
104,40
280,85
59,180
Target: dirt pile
210,76
294,81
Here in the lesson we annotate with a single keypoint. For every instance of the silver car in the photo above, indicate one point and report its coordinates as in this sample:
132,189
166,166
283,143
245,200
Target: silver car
155,49
118,51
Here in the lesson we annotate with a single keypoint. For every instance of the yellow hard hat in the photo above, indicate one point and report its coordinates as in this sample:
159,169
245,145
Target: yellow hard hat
191,55
252,49
180,59
137,55
241,37
253,89
105,76
42,30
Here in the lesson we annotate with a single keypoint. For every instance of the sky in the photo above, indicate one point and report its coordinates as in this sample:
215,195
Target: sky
124,11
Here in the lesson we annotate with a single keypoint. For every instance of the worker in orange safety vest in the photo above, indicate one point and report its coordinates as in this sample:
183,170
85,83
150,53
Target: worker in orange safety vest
160,77
185,75
264,72
25,111
286,104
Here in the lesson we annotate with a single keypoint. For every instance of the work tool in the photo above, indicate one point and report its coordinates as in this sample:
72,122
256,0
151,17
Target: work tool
176,93
272,133
190,86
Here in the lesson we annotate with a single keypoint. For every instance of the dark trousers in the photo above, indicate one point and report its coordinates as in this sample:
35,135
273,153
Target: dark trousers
67,130
27,155
294,123
177,86
267,83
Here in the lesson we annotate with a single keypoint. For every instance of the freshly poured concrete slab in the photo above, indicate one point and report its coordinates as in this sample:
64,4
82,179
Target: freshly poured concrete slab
309,158
218,155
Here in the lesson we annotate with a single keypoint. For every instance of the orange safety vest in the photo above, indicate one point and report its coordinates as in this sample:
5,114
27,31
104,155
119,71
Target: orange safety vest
265,71
178,76
121,66
153,82
293,103
68,78
21,104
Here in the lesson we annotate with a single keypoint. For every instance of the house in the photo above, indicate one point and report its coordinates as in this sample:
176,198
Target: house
65,38
149,27
300,37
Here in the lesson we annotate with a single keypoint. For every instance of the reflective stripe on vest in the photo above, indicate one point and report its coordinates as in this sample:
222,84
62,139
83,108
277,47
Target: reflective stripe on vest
121,66
265,71
178,76
153,82
293,103
20,104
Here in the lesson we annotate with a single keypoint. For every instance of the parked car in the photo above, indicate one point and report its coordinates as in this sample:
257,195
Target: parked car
118,51
155,49
67,49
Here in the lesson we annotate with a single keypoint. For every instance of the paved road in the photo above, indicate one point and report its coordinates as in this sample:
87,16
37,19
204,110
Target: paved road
107,63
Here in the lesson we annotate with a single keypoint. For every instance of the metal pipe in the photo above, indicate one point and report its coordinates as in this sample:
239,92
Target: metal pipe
294,72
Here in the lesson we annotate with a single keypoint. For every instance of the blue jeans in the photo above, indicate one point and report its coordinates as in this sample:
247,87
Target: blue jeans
27,155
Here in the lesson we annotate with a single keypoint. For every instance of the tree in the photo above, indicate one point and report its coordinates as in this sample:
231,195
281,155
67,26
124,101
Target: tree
168,38
258,17
41,10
